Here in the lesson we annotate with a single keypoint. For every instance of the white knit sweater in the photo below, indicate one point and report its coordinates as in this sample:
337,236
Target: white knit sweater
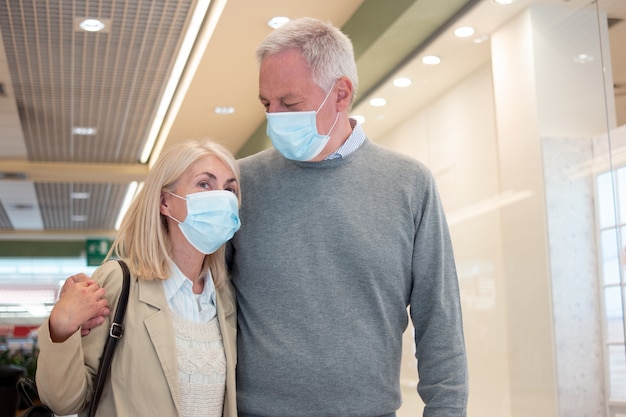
201,367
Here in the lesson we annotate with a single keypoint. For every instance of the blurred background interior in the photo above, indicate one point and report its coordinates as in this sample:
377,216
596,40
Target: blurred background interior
518,108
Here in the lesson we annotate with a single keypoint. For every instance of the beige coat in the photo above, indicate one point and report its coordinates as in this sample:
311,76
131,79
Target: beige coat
144,378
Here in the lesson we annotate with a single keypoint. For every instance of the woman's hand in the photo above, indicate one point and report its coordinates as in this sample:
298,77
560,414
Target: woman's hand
81,302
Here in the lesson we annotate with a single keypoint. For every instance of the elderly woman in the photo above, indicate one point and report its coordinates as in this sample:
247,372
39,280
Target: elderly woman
178,353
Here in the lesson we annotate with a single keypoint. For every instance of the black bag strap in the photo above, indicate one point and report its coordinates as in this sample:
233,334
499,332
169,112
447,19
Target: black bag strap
24,385
115,333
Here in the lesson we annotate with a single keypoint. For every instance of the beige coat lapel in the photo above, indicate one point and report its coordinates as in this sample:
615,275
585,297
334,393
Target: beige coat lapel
227,316
161,331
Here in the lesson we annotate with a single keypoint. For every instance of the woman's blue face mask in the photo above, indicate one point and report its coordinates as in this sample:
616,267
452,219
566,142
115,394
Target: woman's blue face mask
212,219
295,135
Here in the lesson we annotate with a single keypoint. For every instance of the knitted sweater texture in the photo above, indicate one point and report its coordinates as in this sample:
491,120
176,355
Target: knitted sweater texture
201,367
328,257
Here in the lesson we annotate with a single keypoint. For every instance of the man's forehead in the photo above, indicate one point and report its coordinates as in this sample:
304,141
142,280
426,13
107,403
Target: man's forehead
286,88
280,95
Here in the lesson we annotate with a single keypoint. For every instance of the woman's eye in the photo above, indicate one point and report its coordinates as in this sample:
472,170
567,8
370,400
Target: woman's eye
204,185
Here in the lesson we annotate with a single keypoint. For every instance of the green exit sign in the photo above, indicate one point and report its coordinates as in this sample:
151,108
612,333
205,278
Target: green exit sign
97,250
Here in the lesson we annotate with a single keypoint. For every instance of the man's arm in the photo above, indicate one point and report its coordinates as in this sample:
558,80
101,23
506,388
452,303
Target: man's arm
436,315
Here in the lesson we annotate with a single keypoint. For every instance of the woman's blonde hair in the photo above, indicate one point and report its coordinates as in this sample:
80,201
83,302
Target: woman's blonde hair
142,241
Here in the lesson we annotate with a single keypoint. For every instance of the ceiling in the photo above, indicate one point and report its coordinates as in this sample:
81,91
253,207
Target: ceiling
59,186
56,184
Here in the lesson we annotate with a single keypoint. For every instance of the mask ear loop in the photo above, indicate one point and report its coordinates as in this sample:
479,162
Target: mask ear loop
325,98
182,198
333,126
176,195
176,220
322,105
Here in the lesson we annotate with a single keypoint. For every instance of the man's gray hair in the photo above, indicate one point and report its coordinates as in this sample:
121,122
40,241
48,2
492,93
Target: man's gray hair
327,50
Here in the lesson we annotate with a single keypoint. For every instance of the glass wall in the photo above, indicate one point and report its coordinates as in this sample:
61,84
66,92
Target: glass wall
611,199
523,125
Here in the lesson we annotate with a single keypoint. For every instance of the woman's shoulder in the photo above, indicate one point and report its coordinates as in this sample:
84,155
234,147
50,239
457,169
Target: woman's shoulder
109,276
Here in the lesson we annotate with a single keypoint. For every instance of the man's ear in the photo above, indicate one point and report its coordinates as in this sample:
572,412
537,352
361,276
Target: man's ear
344,93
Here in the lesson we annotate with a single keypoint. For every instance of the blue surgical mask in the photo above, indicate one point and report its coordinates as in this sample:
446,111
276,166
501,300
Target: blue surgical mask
212,219
295,135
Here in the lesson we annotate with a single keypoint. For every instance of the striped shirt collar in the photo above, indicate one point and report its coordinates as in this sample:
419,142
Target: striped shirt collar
180,297
356,139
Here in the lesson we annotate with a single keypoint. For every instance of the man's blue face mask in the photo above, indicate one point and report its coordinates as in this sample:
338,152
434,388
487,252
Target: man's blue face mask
295,135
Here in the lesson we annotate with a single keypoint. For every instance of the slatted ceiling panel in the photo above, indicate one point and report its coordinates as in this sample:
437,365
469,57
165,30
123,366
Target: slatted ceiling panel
156,62
54,203
100,210
5,223
109,80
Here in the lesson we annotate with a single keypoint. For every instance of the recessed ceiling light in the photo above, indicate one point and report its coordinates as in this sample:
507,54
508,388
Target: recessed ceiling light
402,82
79,196
79,218
84,131
224,110
481,39
464,31
378,102
583,58
278,21
22,206
503,2
92,25
431,60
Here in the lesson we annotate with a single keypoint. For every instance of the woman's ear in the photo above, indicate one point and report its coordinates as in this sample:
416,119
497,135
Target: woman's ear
165,210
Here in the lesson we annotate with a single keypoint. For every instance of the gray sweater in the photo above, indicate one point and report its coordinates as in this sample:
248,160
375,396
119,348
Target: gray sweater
328,257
